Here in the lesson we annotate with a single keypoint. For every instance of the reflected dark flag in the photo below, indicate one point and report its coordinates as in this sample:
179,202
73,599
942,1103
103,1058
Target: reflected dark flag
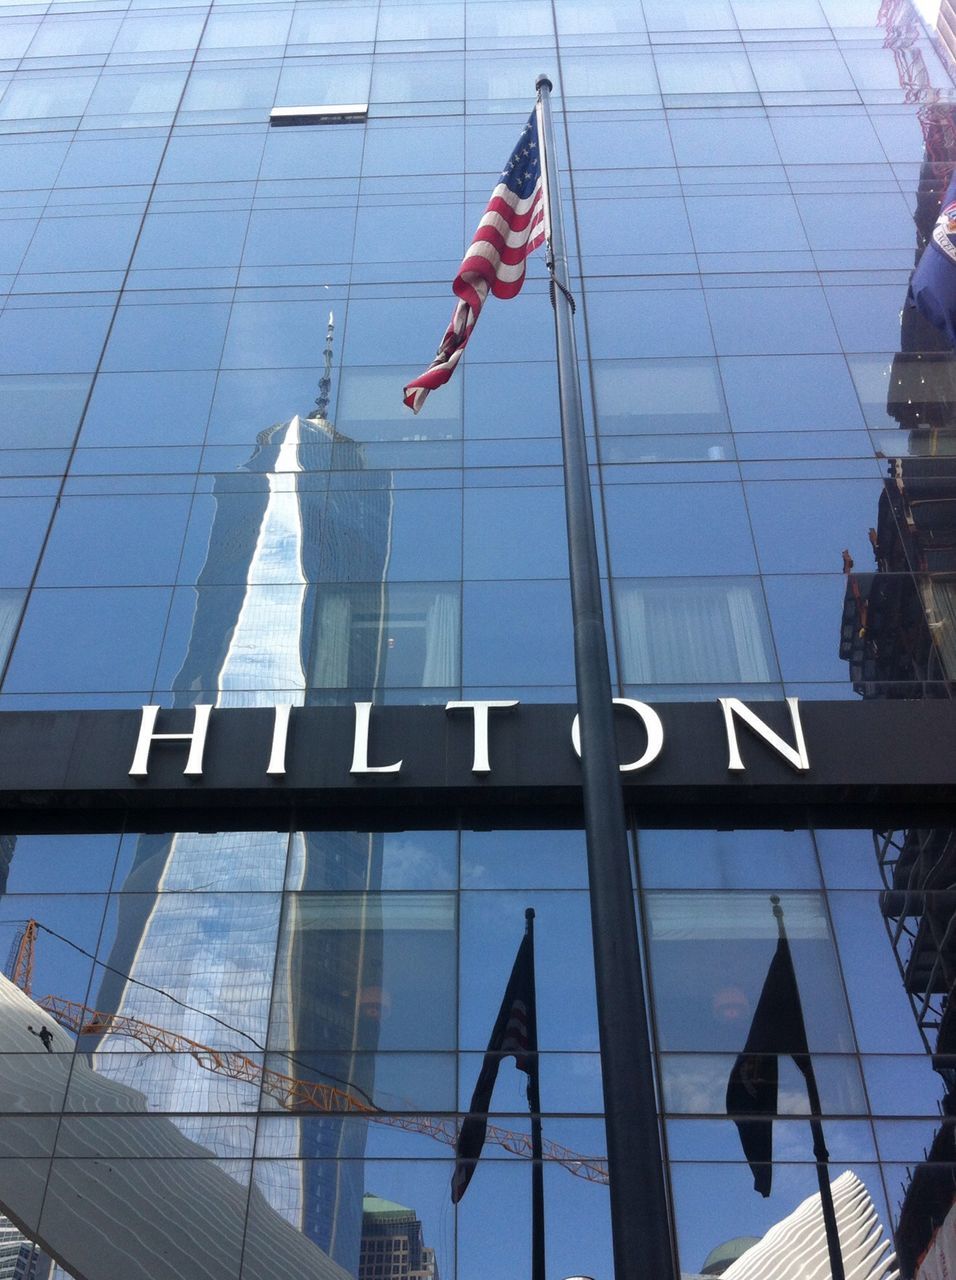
933,286
777,1028
515,1034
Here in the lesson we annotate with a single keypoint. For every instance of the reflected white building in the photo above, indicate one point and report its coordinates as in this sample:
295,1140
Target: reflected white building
796,1248
206,965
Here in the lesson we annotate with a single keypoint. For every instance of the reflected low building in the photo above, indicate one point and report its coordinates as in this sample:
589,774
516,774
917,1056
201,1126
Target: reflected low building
392,1244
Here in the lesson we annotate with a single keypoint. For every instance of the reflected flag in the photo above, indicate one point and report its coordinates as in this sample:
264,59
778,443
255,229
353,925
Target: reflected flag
933,286
512,228
515,1034
777,1028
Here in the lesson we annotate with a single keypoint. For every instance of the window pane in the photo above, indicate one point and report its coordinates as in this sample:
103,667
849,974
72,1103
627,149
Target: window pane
360,970
710,953
698,631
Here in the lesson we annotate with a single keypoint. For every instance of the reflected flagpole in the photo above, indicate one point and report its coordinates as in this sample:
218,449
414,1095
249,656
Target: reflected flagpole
820,1153
643,1245
534,1106
778,1028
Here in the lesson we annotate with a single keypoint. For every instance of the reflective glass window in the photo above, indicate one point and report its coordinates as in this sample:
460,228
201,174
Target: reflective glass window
793,13
336,23
697,631
606,225
231,156
492,924
165,32
30,165
612,75
15,36
599,17
148,408
362,968
17,234
82,34
317,152
736,224
810,533
825,220
57,863
395,80
229,88
111,541
251,29
120,93
714,73
747,320
248,401
795,70
820,394
516,633
11,605
82,244
655,322
658,396
810,651
401,150
727,941
40,410
324,82
37,97
734,139
51,339
497,522
207,239
336,860
692,528
114,640
30,517
824,138
167,336
298,235
694,15
421,22
116,162
727,860
516,859
270,335
407,637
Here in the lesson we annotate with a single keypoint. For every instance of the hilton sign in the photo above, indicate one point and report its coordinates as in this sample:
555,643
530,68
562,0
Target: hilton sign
480,763
650,721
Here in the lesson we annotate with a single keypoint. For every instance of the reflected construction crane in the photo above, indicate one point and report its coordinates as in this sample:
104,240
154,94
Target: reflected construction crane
292,1094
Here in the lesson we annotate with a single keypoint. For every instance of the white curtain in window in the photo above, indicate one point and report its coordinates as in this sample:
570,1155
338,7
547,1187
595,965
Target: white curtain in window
11,603
944,603
441,641
691,632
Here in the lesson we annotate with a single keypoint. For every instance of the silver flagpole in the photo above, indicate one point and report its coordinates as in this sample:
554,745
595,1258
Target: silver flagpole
643,1244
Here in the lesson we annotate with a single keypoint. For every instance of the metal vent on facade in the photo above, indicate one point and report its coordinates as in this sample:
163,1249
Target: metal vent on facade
340,113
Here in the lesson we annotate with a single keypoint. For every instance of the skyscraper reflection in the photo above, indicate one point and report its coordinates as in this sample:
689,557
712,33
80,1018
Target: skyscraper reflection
253,640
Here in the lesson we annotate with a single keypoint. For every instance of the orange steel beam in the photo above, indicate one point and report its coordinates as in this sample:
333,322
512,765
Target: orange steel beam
294,1094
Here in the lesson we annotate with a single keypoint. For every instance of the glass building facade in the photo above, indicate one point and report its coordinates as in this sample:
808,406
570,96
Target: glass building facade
242,1054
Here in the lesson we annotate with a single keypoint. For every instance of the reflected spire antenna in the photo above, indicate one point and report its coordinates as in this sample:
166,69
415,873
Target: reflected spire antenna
321,409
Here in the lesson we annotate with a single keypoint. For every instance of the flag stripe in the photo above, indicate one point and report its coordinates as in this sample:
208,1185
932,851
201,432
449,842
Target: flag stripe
510,229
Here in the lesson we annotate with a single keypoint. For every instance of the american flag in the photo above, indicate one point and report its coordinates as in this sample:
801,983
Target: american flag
515,1034
512,228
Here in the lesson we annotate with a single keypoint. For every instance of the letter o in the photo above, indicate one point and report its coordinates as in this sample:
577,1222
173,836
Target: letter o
652,727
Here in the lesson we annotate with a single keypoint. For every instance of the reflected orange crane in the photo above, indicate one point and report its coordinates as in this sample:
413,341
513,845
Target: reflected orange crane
291,1093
